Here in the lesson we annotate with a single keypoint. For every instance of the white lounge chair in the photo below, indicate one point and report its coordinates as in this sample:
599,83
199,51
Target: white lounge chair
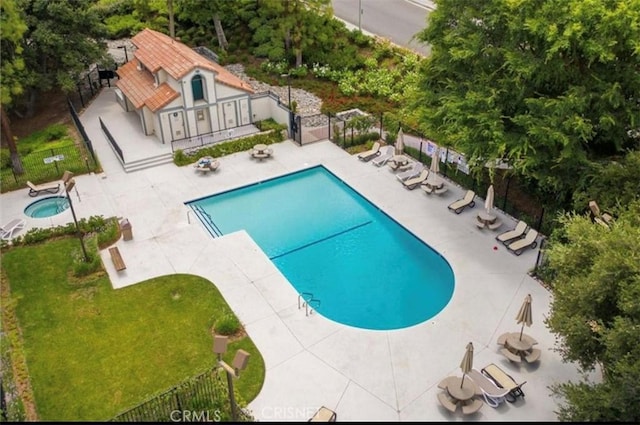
515,233
386,155
461,204
35,190
504,380
529,240
412,172
492,394
367,155
7,231
414,182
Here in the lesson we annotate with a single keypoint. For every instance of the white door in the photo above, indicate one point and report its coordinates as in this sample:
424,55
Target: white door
176,120
245,118
229,111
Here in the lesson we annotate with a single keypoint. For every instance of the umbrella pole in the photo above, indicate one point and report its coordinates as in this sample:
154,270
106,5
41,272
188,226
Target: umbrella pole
521,329
462,382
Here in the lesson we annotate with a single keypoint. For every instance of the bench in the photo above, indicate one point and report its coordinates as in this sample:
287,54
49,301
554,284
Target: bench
446,402
533,356
508,354
117,258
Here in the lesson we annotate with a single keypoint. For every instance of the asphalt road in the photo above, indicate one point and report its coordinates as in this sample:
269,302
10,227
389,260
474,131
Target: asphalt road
396,20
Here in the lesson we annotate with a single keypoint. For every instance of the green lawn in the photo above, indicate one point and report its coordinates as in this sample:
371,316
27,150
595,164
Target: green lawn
93,352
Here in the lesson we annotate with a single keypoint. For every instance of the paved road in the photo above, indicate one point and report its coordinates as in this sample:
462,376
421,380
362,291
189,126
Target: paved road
397,20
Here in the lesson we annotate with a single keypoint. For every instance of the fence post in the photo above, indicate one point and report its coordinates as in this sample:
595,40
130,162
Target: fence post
539,225
329,126
381,116
506,193
540,254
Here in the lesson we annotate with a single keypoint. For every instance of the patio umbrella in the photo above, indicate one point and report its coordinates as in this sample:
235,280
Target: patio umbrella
435,161
400,142
467,362
524,315
488,203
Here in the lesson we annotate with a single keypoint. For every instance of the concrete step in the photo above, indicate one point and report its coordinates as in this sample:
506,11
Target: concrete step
150,162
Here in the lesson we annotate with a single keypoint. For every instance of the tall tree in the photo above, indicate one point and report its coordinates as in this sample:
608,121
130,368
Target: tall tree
12,28
549,85
291,26
595,275
63,38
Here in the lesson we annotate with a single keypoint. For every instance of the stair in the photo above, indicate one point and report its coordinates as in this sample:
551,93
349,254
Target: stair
153,161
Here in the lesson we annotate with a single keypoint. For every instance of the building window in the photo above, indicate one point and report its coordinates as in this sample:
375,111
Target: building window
200,115
197,87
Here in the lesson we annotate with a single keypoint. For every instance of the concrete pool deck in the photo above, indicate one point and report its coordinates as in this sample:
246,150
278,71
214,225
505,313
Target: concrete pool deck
311,361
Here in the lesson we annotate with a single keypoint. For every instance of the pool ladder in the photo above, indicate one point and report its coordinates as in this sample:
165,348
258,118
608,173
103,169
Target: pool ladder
307,300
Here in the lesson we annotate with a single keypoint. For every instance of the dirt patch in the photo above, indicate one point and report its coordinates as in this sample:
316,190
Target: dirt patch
51,108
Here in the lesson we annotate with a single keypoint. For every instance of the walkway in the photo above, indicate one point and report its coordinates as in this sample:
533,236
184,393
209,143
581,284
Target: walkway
311,361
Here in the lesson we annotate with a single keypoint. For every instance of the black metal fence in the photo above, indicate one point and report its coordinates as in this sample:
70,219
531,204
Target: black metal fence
203,398
89,85
83,134
195,142
47,165
112,140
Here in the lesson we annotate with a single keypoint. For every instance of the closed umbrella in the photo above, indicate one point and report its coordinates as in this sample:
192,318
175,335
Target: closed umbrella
435,161
524,315
467,362
400,142
488,203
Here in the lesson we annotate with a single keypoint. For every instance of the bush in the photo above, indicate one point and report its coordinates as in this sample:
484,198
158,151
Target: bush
227,324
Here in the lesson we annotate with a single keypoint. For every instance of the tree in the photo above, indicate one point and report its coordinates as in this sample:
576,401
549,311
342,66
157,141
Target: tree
285,28
549,85
63,38
595,275
12,27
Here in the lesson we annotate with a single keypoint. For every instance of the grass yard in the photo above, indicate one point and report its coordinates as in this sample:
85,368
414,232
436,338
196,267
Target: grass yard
93,352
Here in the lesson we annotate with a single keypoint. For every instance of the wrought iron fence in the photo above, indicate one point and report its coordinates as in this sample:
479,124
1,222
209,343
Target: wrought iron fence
47,165
199,399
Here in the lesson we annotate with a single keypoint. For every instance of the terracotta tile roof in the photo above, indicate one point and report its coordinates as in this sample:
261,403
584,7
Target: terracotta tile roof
158,51
139,88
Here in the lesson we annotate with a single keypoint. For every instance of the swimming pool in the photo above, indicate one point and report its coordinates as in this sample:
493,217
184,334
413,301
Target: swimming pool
364,268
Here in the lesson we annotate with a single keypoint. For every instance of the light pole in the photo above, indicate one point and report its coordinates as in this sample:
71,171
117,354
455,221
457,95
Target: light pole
291,117
67,187
239,363
359,15
126,57
289,86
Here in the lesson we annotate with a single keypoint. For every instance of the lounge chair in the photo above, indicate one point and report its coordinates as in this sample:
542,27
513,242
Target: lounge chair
35,190
371,153
414,182
384,157
411,173
461,204
7,231
529,240
504,380
323,414
515,233
492,394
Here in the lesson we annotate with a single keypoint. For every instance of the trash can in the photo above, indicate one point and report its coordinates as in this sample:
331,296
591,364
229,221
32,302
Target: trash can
125,228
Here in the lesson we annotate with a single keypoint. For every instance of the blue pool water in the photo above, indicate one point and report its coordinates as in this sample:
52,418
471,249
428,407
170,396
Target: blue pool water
365,269
47,207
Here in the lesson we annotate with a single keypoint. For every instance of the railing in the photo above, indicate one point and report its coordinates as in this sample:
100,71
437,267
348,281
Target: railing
208,221
112,140
307,299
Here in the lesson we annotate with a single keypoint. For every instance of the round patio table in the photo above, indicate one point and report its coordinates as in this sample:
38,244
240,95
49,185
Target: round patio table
260,147
486,218
464,393
520,345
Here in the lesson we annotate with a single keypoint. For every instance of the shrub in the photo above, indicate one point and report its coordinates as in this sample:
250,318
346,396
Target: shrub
55,132
227,324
